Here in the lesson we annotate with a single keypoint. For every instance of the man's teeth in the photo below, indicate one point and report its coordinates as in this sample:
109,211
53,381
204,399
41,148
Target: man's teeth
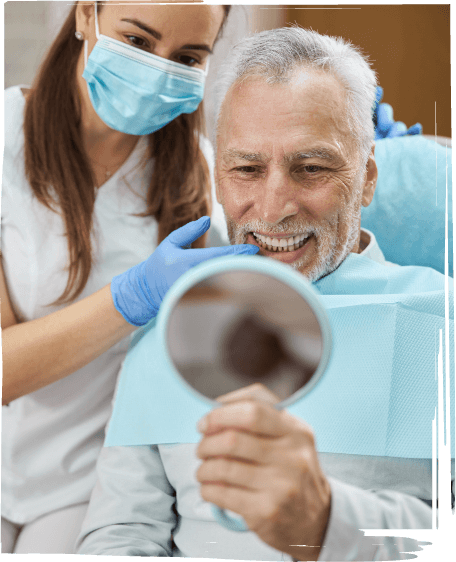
281,244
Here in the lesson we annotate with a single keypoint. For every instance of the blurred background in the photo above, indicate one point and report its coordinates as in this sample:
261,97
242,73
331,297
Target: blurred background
408,45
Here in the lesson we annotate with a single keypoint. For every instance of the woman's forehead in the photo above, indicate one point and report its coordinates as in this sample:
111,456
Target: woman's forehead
157,9
192,21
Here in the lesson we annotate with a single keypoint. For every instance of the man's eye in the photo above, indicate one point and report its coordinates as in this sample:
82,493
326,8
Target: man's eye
246,169
188,60
312,169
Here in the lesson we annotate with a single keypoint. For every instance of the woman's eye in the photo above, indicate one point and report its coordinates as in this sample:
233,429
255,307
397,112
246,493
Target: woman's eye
136,41
188,60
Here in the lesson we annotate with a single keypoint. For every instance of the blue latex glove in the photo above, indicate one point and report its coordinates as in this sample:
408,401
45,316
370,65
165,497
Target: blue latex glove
385,126
138,293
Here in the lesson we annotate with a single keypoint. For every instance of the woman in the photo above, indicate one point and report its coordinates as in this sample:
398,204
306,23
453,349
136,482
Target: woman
103,159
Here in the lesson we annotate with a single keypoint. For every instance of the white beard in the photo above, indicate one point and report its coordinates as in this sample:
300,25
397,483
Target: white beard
330,252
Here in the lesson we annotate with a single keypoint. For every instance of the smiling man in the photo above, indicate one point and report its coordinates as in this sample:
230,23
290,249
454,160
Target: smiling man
295,164
292,170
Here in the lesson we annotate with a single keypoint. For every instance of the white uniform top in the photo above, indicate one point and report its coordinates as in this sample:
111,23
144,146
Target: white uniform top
51,438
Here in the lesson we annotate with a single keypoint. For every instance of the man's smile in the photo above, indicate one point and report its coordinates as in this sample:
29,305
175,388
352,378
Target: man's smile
290,247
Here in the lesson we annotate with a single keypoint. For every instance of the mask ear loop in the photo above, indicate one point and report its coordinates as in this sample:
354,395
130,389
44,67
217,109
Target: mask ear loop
206,70
97,34
85,52
97,30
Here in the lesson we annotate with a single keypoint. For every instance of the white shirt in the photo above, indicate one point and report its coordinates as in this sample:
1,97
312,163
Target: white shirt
135,515
51,438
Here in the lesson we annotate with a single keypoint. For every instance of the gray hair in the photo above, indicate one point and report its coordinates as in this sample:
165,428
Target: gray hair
277,53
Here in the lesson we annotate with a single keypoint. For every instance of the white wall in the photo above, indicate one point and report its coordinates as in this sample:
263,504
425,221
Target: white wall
30,28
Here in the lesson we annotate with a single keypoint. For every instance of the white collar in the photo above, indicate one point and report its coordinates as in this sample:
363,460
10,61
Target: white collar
372,250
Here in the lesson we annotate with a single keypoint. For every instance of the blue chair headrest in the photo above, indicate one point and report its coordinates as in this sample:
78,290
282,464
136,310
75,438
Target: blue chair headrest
407,213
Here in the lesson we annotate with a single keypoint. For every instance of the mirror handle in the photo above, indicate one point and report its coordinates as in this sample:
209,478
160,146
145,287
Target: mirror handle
228,521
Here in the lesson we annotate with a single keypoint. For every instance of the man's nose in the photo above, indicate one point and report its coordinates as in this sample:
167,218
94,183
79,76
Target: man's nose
279,198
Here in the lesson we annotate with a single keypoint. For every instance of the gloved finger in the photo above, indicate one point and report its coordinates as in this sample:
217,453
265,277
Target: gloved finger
378,94
190,232
398,129
416,129
249,249
200,255
384,117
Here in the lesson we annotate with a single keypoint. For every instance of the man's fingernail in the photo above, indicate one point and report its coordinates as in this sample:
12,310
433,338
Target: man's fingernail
202,425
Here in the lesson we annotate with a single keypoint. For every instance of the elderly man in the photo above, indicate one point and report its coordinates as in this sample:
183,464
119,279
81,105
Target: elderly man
295,163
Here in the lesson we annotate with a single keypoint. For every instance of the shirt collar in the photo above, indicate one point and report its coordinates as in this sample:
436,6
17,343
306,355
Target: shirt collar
372,250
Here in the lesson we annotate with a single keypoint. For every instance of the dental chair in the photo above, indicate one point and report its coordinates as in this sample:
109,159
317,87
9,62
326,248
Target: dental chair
444,141
407,213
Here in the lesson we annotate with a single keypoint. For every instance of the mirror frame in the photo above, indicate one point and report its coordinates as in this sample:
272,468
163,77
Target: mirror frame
254,264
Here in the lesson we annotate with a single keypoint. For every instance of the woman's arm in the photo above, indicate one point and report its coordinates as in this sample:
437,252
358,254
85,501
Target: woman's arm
42,351
39,352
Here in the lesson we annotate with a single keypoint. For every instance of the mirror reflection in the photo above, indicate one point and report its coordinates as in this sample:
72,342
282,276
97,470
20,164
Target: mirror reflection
240,328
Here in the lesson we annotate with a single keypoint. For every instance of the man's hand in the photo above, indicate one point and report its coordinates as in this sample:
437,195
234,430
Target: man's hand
262,464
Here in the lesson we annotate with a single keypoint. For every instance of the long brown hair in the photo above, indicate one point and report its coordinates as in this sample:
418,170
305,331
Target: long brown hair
59,170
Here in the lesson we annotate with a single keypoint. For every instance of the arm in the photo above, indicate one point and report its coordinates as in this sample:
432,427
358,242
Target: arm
131,507
39,352
353,509
248,444
42,351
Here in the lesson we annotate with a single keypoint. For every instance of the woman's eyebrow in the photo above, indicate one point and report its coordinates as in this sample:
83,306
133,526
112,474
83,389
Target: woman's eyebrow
144,27
158,36
202,47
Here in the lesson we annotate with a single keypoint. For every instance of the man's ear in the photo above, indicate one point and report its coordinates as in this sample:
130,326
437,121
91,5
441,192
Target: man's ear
370,181
85,14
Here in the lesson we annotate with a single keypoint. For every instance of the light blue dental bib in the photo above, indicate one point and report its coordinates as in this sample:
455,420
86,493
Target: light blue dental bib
378,395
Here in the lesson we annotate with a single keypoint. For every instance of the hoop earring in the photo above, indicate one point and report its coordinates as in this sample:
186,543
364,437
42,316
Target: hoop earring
79,35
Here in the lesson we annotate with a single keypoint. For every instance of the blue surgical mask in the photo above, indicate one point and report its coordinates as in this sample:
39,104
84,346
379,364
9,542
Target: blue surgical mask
136,92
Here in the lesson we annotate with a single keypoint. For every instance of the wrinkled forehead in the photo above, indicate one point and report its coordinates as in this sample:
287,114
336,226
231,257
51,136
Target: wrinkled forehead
296,91
308,104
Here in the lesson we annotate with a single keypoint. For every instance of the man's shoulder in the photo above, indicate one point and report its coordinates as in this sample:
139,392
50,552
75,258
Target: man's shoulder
359,274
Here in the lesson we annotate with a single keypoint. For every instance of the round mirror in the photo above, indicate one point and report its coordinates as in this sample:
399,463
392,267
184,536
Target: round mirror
231,324
238,328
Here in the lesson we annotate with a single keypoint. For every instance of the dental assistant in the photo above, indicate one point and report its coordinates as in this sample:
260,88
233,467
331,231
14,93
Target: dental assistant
104,161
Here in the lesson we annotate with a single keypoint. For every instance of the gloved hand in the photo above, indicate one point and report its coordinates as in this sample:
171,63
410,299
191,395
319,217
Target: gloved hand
138,293
385,126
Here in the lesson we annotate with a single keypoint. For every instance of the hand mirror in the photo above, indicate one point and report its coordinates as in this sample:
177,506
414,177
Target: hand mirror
246,321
